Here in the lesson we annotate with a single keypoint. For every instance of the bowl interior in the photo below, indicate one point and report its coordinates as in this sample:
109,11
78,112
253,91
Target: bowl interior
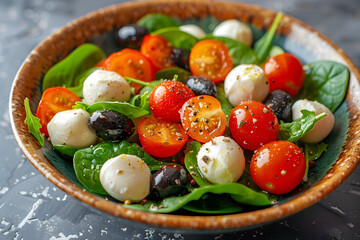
293,36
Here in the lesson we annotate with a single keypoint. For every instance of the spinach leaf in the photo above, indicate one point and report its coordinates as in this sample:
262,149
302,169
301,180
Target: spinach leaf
141,100
240,52
88,162
125,108
293,131
262,47
224,102
177,38
191,163
66,73
78,90
33,123
66,150
169,74
156,21
313,152
325,82
239,192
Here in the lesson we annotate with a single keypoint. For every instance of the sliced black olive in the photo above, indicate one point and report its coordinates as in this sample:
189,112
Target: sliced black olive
181,58
168,180
280,102
201,86
110,125
130,36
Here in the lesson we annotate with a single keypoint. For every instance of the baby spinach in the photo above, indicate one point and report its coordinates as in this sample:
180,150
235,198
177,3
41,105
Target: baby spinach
33,123
141,100
313,152
156,21
169,73
263,46
325,82
224,102
78,90
88,161
66,72
293,131
177,38
66,150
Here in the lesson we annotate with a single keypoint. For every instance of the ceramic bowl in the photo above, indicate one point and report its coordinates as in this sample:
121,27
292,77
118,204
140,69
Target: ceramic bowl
293,35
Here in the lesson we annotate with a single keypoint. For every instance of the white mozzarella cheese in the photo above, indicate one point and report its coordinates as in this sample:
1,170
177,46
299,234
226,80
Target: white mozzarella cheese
234,29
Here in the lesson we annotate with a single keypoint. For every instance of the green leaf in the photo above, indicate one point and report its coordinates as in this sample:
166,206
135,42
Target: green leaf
177,38
67,72
33,123
276,50
156,21
141,101
169,73
240,52
88,162
263,46
66,150
293,131
224,102
313,152
78,90
325,82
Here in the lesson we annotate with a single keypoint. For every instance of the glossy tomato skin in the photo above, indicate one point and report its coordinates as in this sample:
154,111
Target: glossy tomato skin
54,100
161,138
158,50
278,167
252,124
202,118
130,63
284,72
210,59
167,98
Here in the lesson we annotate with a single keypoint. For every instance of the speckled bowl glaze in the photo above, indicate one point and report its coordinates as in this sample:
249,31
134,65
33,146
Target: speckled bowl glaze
59,44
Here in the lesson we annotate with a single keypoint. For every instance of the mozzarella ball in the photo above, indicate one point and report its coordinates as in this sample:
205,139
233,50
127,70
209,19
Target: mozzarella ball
194,30
221,160
70,128
234,29
126,177
321,128
104,85
246,82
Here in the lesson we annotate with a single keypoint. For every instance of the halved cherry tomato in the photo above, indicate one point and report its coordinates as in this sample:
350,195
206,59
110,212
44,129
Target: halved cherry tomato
158,50
278,167
252,124
210,59
167,98
54,100
161,138
130,63
285,72
202,118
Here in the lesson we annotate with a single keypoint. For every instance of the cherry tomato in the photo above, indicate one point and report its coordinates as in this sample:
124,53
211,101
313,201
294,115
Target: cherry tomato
161,138
167,98
252,124
158,50
284,72
130,63
278,167
202,118
54,100
210,59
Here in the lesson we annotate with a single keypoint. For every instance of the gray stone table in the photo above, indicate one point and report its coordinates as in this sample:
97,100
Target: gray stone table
33,208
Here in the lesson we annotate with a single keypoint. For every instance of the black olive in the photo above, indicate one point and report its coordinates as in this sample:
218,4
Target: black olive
168,180
110,125
201,86
280,102
181,58
130,36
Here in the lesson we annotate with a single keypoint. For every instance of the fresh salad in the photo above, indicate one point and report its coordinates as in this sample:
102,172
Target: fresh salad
179,118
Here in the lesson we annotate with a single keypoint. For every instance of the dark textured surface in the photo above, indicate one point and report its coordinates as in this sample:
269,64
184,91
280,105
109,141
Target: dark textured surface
33,208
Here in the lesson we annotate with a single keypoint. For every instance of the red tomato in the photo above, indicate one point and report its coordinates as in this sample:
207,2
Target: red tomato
210,59
161,138
54,100
278,167
252,124
284,72
202,118
158,50
167,98
130,63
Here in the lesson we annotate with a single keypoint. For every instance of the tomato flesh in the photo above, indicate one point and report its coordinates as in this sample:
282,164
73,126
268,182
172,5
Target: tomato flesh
161,138
278,167
202,118
252,124
210,59
54,100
